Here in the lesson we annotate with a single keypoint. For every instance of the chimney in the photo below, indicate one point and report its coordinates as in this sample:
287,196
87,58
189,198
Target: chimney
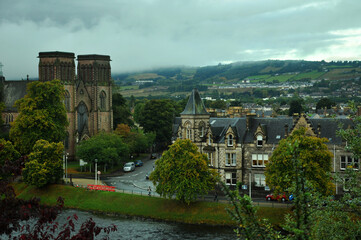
249,118
295,118
286,130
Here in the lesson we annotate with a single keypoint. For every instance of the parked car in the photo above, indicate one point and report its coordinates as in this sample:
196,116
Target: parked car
129,166
138,163
153,156
281,197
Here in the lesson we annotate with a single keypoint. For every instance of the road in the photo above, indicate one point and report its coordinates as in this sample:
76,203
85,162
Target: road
134,181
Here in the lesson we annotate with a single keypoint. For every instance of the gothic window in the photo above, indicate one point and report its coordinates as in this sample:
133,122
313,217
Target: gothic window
102,100
188,131
209,139
66,141
67,101
259,141
230,140
82,117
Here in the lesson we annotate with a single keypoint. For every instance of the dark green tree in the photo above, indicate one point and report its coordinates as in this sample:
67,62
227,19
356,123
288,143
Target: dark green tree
295,106
325,103
157,116
107,148
183,171
42,115
121,112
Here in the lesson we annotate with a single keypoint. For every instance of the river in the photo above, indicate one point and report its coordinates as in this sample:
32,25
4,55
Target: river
136,228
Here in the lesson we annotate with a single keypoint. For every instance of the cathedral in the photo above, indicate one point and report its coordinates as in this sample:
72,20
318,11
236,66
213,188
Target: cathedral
88,93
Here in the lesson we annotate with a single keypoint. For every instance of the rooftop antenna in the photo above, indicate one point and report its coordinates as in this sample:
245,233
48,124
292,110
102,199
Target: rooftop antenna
1,69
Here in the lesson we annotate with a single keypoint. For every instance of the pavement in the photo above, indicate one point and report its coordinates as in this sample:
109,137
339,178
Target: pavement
83,182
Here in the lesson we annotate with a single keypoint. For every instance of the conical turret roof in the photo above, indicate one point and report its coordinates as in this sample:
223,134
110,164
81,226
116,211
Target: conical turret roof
195,105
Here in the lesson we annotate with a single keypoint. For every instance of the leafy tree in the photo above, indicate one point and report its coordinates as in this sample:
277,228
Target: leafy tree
107,148
136,140
42,115
183,171
157,116
121,112
314,158
295,106
325,103
7,152
249,225
45,164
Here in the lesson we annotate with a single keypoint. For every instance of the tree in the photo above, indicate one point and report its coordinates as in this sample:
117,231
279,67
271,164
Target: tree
107,148
314,158
121,113
42,115
183,171
7,152
325,103
45,164
295,107
136,140
157,116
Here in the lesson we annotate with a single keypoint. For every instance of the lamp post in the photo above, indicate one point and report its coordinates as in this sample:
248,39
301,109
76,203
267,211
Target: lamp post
96,171
66,166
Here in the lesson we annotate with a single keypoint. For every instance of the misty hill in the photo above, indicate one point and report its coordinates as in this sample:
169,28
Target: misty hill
183,79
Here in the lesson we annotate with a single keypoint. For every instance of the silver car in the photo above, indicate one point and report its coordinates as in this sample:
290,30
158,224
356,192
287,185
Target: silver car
129,166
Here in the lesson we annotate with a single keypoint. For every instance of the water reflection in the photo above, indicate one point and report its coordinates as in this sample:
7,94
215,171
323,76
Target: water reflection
149,229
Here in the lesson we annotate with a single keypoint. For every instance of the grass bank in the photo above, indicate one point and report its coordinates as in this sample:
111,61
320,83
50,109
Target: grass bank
212,213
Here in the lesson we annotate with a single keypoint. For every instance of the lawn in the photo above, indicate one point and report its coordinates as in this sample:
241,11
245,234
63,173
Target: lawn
213,213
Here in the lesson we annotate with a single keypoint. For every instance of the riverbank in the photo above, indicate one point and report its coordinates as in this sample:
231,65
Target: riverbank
113,203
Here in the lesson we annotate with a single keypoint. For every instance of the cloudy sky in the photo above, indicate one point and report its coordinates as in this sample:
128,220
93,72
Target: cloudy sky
142,34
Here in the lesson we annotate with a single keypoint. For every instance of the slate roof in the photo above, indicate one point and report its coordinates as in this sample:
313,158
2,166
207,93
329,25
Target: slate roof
195,105
274,128
14,90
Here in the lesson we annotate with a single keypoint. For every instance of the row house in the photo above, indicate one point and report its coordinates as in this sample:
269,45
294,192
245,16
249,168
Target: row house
239,148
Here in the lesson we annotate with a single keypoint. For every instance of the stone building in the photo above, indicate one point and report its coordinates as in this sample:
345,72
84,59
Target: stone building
88,93
240,147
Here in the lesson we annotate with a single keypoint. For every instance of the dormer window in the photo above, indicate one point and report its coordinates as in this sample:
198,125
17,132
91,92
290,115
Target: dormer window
259,141
230,140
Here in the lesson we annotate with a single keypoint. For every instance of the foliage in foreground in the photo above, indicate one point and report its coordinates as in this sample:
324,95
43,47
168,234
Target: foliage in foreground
249,226
183,171
15,213
45,164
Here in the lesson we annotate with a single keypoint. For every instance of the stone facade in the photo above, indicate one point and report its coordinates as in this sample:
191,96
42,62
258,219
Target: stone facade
88,94
240,147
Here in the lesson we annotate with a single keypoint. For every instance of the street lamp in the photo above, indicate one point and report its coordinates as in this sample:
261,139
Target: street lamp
96,171
66,166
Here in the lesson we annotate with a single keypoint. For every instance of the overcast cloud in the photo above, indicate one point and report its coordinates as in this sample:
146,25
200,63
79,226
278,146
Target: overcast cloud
141,34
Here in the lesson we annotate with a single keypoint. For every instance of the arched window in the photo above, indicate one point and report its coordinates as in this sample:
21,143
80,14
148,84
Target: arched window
82,116
67,101
230,140
102,100
188,131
